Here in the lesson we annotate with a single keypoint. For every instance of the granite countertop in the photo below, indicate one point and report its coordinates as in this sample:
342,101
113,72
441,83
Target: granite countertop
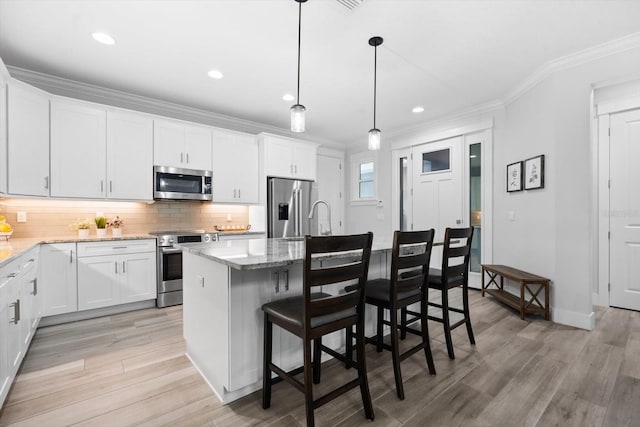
14,247
255,254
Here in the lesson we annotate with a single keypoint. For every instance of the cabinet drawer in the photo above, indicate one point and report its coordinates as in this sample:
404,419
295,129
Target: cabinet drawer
116,247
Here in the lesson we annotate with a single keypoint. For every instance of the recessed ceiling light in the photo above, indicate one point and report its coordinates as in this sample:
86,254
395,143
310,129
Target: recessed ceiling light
288,97
418,109
215,74
103,38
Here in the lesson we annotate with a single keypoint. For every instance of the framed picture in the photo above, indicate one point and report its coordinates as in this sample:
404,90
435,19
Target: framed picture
534,173
514,177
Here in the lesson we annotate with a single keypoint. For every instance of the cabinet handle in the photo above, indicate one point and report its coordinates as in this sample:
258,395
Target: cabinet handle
234,193
116,264
276,279
187,158
101,186
286,279
11,275
35,286
118,247
110,186
46,182
295,168
71,256
181,157
124,268
239,194
290,168
16,312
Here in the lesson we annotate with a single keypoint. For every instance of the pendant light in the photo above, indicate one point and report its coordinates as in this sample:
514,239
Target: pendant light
374,134
298,110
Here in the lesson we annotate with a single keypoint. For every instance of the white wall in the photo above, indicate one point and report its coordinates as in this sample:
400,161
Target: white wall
550,234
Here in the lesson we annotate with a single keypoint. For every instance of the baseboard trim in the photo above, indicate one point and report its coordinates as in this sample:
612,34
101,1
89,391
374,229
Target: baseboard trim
572,318
98,312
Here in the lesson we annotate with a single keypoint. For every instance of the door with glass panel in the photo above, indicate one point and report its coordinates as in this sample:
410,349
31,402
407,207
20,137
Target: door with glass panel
437,188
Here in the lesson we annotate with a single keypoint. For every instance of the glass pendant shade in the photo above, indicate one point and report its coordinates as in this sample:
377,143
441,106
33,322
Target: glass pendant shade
374,139
297,118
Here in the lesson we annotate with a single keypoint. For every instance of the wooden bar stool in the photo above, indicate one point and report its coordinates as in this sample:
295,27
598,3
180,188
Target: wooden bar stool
312,315
454,273
411,253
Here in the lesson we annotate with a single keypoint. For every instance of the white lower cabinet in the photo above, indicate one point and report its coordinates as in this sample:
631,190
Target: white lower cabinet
117,272
58,278
19,315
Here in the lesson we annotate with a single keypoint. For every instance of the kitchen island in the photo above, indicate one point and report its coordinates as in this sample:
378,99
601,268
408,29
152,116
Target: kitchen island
225,285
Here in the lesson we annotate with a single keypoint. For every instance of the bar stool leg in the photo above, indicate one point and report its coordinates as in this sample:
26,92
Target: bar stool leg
446,323
317,356
362,371
424,325
403,322
397,373
266,370
308,386
467,317
348,345
379,337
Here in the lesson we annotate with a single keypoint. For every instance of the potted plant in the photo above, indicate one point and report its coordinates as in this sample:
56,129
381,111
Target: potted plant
83,227
101,224
116,225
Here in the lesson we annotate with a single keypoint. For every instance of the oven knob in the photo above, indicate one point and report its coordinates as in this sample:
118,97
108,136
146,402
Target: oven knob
207,238
171,241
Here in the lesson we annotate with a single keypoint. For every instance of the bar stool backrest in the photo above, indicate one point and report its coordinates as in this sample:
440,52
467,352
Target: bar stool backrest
411,253
455,256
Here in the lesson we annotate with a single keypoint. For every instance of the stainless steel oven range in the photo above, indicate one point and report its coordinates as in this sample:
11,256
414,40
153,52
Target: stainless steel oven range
170,263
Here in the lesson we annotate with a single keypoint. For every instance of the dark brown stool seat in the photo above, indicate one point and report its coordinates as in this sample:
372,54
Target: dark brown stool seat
315,314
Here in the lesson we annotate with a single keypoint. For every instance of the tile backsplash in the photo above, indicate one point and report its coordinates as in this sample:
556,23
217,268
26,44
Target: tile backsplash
52,218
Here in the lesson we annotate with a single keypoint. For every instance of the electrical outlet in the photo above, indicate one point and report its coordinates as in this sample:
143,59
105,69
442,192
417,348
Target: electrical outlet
21,216
229,217
99,213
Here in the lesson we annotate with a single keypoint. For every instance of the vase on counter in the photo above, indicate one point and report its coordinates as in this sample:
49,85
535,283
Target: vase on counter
101,232
83,233
116,232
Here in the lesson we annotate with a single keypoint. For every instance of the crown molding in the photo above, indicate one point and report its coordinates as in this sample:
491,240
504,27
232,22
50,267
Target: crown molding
631,41
456,120
116,98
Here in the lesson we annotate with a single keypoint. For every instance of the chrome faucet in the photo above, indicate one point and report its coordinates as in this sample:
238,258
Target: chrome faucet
313,207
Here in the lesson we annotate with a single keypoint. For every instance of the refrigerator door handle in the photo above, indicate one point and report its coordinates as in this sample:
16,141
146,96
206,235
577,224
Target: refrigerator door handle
299,212
271,207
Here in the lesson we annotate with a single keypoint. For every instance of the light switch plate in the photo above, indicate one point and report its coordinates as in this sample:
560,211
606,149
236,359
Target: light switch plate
21,216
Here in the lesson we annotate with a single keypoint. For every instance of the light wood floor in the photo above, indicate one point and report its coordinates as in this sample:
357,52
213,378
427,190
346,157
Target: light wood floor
130,369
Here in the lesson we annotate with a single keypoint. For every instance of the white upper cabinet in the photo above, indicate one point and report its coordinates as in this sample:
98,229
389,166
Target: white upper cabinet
235,167
4,78
28,140
287,158
180,145
129,156
78,149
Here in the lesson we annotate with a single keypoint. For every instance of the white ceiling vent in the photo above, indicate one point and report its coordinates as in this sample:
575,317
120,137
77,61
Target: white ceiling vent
350,4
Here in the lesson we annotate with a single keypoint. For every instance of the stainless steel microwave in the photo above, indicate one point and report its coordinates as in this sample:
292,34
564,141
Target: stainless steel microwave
181,184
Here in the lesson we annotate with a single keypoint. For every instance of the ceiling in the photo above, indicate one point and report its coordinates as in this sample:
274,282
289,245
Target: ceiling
446,56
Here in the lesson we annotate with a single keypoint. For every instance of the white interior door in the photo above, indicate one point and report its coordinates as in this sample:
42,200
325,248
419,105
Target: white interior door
624,208
437,188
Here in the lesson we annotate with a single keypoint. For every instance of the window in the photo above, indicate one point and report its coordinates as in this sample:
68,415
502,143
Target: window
436,161
365,187
363,177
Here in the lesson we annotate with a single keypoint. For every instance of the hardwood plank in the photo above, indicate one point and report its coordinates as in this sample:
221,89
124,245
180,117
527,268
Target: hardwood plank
623,409
631,363
567,409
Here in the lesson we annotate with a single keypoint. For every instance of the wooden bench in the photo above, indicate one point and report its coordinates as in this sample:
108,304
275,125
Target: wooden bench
533,284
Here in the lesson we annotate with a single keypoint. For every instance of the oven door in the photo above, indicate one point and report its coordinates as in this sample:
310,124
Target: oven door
170,270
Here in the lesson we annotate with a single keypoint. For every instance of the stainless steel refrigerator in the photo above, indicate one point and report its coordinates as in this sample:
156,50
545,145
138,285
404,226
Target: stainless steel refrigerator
288,203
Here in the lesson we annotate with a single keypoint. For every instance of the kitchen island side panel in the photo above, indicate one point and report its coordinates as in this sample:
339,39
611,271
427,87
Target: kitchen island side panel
206,318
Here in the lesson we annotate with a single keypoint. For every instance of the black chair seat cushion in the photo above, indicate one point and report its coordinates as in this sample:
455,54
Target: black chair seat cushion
378,290
435,279
290,310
